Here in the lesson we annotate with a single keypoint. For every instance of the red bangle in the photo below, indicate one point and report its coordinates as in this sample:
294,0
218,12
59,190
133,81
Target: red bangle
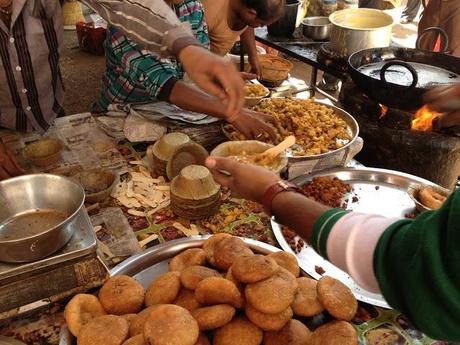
274,190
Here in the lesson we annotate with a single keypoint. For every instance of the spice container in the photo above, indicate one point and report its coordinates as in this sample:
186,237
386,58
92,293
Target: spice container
194,193
328,7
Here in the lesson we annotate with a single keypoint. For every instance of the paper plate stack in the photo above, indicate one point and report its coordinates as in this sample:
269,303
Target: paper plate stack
162,151
194,193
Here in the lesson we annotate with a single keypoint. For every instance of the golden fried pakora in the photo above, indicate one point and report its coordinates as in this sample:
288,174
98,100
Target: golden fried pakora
210,243
136,340
192,275
273,295
241,331
164,289
122,295
81,309
214,316
186,299
268,322
288,261
306,302
136,326
214,290
170,324
189,257
203,340
293,333
107,330
253,268
317,127
228,250
334,333
337,298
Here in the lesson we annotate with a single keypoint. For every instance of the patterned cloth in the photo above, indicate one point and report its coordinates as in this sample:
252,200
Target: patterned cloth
135,75
31,90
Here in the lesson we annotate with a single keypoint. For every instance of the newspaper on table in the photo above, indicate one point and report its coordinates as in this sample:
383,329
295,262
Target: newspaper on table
86,146
115,236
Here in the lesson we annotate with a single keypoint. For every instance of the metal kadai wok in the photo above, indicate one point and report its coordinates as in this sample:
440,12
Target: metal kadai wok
399,77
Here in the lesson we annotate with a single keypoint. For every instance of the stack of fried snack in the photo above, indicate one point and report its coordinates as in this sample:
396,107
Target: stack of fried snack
221,294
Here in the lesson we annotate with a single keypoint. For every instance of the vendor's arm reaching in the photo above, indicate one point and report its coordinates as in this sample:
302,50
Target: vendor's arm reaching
135,75
414,263
153,24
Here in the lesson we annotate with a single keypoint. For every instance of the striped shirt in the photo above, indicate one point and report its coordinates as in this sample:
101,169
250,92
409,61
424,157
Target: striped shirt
31,88
134,75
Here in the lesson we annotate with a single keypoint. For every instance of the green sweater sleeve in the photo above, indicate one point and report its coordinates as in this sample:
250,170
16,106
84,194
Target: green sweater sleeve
417,265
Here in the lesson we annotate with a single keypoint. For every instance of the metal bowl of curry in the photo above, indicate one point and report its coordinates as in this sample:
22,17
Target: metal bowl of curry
37,215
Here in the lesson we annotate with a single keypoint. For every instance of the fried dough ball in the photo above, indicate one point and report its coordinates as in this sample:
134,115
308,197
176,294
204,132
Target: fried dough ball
306,302
293,333
128,317
164,289
431,198
136,340
334,333
227,250
216,290
253,268
81,309
337,298
186,299
239,331
170,324
268,322
191,276
288,261
137,324
213,317
273,295
203,340
122,295
107,330
189,257
209,244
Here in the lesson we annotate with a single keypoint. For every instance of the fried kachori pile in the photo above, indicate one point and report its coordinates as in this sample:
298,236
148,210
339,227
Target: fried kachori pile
222,294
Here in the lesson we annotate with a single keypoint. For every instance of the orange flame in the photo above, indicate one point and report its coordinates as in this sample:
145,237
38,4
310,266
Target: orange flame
423,119
383,110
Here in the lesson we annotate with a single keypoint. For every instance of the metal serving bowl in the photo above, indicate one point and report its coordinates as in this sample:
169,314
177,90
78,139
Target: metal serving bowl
317,28
31,199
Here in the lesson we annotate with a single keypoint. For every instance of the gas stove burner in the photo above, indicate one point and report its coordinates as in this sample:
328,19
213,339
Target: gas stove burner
329,57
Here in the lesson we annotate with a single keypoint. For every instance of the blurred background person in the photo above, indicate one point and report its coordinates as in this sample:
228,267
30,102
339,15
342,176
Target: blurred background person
410,11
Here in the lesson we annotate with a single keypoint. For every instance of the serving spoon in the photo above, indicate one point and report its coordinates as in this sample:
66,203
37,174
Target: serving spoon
278,149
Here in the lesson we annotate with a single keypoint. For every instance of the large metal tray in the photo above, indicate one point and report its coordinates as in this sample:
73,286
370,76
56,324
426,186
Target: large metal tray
379,191
145,266
353,129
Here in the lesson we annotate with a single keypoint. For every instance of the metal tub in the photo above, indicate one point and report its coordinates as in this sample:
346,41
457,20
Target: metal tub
26,194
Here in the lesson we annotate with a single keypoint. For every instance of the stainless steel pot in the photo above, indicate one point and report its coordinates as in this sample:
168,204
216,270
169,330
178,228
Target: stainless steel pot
285,26
317,28
22,196
357,29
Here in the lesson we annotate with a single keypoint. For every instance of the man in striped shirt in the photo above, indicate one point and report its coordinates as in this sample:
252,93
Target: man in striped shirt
134,75
31,90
